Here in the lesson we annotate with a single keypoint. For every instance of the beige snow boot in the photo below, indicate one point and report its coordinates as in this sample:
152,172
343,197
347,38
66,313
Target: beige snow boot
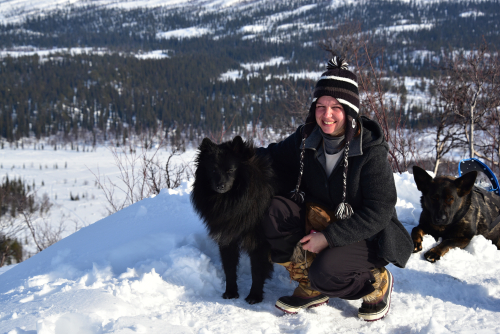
376,304
303,296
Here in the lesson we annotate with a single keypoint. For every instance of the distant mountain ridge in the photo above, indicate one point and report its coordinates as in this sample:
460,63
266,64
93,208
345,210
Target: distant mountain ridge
206,75
148,25
13,11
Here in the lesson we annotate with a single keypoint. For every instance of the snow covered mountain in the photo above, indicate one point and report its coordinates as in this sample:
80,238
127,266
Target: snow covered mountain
421,24
232,55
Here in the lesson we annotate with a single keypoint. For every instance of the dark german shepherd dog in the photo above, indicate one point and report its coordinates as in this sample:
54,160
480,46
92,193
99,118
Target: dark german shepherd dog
232,190
455,210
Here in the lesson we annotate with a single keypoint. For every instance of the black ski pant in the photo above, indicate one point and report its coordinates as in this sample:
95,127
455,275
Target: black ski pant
342,272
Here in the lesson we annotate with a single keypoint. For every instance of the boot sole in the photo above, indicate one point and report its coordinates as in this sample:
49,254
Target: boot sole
382,313
295,309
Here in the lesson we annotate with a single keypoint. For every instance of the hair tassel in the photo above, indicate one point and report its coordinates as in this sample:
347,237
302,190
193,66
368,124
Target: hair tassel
297,196
344,211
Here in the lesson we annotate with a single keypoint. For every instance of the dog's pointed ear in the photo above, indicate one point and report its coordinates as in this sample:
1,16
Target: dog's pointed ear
238,145
465,183
206,145
422,179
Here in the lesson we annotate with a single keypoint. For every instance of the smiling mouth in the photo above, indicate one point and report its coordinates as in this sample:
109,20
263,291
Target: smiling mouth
329,123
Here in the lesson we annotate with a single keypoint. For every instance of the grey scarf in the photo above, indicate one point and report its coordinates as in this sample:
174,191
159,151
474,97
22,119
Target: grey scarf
332,144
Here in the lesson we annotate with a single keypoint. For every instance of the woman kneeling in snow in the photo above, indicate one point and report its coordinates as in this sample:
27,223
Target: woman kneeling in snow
338,243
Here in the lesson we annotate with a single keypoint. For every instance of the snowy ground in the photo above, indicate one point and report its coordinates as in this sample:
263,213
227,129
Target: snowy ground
66,173
150,268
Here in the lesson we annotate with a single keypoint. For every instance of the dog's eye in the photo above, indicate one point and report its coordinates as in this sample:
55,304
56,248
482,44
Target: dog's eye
229,171
450,199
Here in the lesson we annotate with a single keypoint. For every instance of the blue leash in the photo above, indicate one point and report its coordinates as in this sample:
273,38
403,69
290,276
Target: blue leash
473,164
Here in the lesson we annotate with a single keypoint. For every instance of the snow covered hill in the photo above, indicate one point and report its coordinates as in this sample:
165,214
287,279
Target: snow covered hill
17,10
151,268
13,11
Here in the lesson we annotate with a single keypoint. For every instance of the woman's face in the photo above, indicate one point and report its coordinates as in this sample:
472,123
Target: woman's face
330,115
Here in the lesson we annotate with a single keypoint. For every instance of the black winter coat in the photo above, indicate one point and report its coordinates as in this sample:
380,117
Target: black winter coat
371,190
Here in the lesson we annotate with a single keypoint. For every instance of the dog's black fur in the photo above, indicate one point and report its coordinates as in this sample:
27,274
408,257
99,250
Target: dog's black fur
232,191
455,210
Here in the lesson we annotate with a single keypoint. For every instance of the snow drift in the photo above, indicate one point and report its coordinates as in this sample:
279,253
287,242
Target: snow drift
151,268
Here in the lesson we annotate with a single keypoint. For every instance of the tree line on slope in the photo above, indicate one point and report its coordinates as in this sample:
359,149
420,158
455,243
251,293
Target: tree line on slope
114,94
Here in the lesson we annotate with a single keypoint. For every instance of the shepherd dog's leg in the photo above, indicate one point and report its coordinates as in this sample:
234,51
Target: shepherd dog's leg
437,252
494,233
417,235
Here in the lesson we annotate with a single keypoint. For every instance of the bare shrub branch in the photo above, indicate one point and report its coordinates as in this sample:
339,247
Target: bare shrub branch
349,41
20,207
141,174
470,88
297,103
33,214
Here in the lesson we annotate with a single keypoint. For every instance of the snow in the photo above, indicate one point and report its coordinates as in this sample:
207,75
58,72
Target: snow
312,75
24,51
406,27
266,24
280,16
151,268
64,172
183,33
59,173
254,28
44,54
155,54
271,62
231,75
15,11
472,13
253,68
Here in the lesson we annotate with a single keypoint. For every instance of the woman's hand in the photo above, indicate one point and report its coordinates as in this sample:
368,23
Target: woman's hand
314,242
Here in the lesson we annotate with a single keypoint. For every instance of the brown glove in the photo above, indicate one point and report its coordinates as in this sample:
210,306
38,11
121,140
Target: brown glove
318,218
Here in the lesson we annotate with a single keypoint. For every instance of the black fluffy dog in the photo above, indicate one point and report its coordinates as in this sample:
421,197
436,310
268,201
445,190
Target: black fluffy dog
232,191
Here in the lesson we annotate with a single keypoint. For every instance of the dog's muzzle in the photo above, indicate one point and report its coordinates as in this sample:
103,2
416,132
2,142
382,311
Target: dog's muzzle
441,219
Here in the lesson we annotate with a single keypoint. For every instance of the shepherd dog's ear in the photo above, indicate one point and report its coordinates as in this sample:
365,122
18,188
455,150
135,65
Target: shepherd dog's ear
465,183
206,145
422,179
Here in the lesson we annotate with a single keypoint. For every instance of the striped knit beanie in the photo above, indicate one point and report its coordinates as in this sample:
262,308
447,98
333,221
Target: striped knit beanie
337,82
342,84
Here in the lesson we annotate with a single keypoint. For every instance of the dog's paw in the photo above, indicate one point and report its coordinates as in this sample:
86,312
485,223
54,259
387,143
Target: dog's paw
417,247
254,298
432,256
230,295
